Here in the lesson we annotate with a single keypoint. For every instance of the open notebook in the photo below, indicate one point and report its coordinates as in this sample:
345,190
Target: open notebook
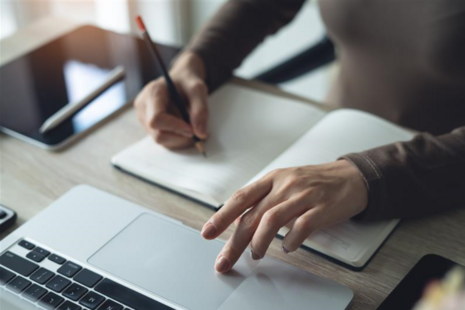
252,133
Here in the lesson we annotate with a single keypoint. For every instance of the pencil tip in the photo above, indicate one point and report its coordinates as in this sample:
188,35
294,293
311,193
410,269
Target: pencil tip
199,147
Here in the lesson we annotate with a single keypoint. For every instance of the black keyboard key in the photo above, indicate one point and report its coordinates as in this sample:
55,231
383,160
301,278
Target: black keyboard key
18,284
92,300
42,275
75,292
110,305
34,293
88,278
41,251
3,214
5,276
37,257
69,269
67,305
128,297
27,245
58,284
51,301
18,264
57,259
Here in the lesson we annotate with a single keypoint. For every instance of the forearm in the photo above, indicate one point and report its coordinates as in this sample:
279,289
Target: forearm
420,177
235,30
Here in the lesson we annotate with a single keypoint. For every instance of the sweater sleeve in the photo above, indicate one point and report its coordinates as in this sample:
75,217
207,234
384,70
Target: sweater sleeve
416,178
235,30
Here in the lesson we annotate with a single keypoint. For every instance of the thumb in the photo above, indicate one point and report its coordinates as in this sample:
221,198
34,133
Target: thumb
198,109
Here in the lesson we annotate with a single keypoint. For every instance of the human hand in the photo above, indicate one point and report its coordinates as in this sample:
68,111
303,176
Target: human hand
155,111
314,196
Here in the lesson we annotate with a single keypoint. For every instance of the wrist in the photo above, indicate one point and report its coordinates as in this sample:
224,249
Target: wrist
189,63
357,183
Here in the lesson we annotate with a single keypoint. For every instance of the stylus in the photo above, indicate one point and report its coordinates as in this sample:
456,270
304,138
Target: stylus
71,108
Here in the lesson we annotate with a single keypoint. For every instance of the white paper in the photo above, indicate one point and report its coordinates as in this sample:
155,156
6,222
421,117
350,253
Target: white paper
338,133
248,129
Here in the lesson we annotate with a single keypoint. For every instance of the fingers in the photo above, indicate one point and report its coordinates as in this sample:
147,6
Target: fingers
239,202
153,104
197,93
170,140
169,123
235,246
153,110
270,219
304,198
158,118
242,236
303,226
271,222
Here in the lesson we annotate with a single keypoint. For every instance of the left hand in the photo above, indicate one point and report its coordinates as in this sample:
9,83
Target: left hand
314,196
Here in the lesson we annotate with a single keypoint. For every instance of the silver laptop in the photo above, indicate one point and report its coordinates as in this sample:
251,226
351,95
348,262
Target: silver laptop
91,250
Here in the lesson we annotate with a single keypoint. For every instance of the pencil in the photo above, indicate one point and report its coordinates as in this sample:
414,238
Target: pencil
176,98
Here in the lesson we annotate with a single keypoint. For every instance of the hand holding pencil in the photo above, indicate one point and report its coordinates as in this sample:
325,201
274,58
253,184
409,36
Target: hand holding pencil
173,109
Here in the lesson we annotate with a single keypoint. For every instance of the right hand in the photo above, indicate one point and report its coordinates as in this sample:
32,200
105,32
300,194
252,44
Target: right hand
159,116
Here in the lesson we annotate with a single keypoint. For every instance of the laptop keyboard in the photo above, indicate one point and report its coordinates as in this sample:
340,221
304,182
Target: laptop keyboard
52,282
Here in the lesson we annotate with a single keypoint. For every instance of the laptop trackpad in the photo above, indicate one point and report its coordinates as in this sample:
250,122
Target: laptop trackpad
275,286
171,261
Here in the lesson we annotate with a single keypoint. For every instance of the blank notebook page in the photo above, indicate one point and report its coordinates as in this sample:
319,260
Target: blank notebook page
248,129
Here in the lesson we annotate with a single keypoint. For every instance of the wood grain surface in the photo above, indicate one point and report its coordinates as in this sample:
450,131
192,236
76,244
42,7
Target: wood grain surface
32,178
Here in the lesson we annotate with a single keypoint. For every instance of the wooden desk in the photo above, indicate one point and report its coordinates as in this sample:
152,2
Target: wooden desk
32,178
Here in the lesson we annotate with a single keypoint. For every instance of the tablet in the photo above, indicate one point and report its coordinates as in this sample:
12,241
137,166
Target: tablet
38,84
431,284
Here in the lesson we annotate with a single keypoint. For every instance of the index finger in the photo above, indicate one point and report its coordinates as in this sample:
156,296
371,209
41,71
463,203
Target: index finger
239,202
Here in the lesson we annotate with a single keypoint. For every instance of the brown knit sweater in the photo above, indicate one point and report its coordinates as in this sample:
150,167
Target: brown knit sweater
401,60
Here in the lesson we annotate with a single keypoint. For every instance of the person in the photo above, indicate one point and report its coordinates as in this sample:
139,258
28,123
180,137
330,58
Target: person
401,60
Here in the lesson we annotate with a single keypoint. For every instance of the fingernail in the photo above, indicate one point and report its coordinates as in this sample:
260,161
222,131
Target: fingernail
285,251
208,231
222,264
255,256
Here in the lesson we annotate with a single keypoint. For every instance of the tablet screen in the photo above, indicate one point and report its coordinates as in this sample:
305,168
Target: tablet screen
434,283
38,84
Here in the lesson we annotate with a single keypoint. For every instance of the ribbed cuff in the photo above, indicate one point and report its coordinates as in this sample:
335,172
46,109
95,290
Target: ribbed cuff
376,184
